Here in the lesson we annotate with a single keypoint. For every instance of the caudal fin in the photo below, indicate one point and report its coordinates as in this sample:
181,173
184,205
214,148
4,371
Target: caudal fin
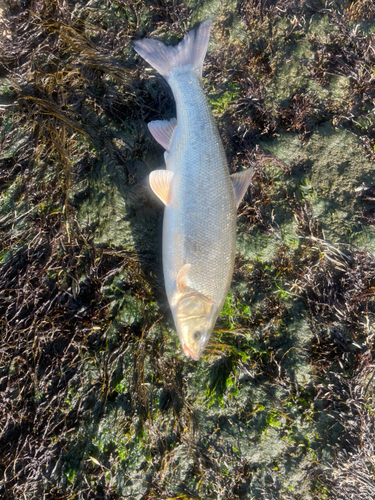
191,51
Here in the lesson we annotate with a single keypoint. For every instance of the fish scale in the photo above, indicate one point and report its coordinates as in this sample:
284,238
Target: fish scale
202,206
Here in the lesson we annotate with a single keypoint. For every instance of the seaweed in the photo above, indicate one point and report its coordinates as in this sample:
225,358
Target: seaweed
96,399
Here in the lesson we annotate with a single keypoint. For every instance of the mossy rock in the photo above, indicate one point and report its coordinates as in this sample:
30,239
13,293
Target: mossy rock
92,372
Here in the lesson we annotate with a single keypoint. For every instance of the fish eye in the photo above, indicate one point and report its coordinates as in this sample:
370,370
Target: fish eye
197,335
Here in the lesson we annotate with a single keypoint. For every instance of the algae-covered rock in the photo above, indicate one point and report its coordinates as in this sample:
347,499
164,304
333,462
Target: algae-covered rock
328,171
98,400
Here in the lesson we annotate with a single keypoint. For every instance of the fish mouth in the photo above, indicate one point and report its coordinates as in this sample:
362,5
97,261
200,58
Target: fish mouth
188,352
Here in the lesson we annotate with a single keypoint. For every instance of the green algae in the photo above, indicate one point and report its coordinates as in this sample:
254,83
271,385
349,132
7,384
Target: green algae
293,61
112,206
214,9
19,139
336,167
7,93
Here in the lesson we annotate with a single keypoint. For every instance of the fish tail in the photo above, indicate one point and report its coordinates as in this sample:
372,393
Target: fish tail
191,51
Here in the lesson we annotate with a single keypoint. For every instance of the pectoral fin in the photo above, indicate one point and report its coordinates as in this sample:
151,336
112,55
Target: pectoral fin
162,131
241,181
181,277
160,182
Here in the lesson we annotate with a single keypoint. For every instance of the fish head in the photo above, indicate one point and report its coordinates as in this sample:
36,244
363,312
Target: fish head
195,319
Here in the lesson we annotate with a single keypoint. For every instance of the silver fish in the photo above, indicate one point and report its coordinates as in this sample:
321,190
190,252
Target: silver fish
200,197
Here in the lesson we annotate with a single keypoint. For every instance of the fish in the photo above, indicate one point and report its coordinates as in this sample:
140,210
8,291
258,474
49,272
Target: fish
200,196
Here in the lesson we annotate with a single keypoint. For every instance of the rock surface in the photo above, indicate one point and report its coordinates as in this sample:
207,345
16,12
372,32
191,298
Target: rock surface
97,399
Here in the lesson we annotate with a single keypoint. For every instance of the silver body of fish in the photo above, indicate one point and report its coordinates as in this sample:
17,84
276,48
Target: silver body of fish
201,198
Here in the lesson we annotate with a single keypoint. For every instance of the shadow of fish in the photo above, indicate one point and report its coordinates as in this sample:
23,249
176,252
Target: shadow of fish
200,197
